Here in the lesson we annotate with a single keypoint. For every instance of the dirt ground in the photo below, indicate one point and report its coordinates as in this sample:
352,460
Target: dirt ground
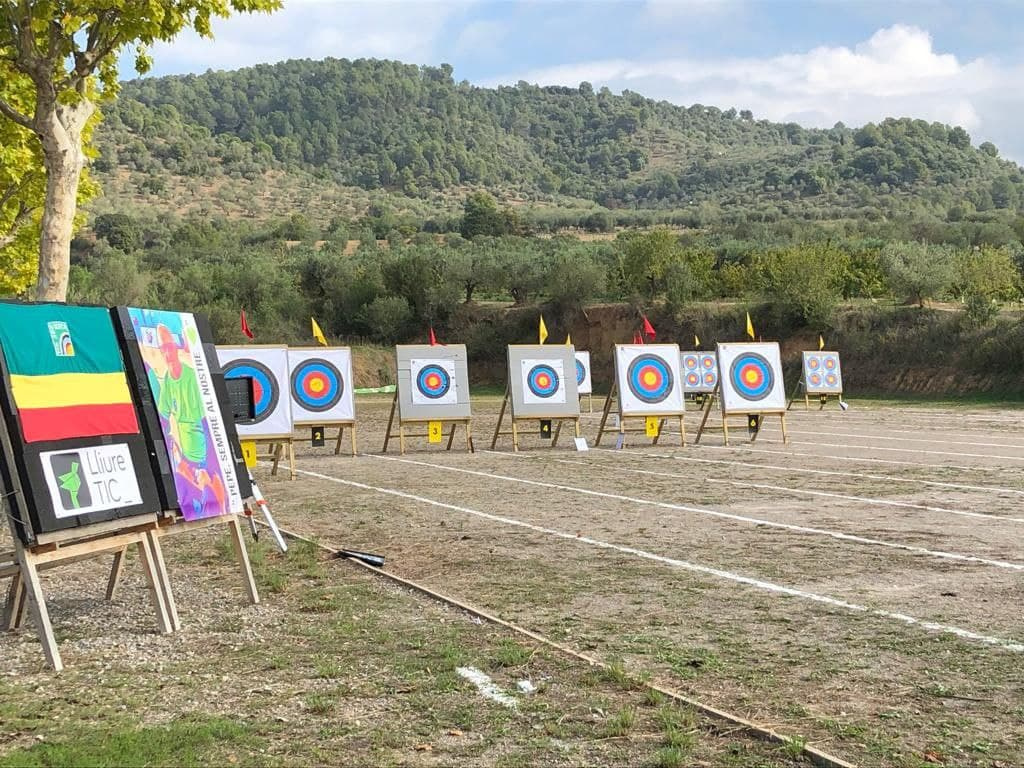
859,587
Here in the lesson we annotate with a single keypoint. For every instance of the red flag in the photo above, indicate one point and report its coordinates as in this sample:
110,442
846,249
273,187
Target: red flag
433,338
648,328
245,326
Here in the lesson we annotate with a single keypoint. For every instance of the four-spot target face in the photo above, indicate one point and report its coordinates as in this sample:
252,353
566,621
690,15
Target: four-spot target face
700,371
265,390
317,385
750,377
649,379
822,374
433,381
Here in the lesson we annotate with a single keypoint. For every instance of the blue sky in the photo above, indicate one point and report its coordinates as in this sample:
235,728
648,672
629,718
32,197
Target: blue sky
815,62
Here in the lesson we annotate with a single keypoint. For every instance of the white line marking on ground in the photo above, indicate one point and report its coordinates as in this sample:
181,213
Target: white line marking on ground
928,429
767,586
915,450
870,500
904,439
848,458
486,686
715,513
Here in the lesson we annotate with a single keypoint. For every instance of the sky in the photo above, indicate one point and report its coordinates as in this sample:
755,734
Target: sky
814,62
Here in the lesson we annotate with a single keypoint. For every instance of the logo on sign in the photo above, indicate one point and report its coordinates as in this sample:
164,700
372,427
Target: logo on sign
74,491
60,337
91,479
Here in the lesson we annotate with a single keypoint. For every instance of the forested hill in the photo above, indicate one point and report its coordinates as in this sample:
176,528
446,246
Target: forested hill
416,132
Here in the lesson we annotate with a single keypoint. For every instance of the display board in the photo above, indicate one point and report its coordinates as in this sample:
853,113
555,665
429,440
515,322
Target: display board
822,373
268,367
184,412
700,371
647,379
433,382
542,381
320,385
73,442
583,383
750,374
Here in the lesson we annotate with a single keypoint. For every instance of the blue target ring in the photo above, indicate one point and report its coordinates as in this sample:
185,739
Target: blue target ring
317,385
265,389
751,376
581,373
649,378
433,381
542,380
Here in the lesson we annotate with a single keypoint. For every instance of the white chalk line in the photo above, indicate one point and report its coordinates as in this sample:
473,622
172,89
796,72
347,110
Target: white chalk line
926,428
919,450
903,439
838,535
894,462
767,586
487,687
827,494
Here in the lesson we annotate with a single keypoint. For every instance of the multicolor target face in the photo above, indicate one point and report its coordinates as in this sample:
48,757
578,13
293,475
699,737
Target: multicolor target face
265,390
543,381
750,377
583,384
433,382
649,379
317,385
700,371
822,374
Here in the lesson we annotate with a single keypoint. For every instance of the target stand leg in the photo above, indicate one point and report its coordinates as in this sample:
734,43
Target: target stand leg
515,436
352,437
682,431
725,428
401,437
14,608
558,431
337,443
785,436
116,569
278,450
469,437
604,415
501,419
707,415
391,424
451,437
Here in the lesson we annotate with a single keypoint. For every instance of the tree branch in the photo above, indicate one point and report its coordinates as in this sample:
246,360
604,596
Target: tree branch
12,114
20,219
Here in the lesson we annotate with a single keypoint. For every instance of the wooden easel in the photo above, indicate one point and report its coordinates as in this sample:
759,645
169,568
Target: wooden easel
506,404
725,419
622,430
402,434
822,396
279,447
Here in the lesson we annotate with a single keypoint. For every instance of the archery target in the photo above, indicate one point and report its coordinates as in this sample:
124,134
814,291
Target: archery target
268,367
433,382
751,377
699,371
543,381
320,385
583,384
648,379
822,373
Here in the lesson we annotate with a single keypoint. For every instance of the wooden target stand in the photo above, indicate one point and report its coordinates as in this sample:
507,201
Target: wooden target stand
623,430
514,421
277,449
709,403
52,550
402,434
823,397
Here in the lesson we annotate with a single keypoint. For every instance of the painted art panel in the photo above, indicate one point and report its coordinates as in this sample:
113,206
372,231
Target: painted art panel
699,370
268,366
433,382
542,381
320,385
195,435
648,379
583,383
822,373
751,377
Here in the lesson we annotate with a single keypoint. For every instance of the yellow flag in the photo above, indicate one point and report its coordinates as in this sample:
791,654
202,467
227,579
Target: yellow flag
542,330
317,333
750,328
821,342
696,340
568,339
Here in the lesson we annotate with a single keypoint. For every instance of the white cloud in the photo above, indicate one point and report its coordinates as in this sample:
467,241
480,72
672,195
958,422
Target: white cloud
480,37
895,73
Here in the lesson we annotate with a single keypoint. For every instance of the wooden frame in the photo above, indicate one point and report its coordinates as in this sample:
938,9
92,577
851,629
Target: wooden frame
726,415
822,396
514,431
402,434
280,447
341,425
623,431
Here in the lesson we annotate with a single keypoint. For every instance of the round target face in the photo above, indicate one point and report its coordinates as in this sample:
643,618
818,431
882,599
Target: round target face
690,362
751,376
814,379
317,384
831,379
830,363
692,378
649,378
265,393
709,377
813,363
542,380
433,381
708,362
581,373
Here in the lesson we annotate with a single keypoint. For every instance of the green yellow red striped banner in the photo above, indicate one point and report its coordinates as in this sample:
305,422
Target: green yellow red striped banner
66,372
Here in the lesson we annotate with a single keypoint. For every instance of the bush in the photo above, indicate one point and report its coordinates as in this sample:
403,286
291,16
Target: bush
387,317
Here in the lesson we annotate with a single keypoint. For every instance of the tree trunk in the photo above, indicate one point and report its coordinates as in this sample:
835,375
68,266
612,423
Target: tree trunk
60,130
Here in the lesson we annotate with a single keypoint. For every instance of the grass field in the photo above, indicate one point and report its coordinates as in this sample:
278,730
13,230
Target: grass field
858,589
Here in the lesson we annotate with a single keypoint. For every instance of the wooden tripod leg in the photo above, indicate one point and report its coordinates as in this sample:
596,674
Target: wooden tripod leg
469,437
337,443
576,424
248,581
116,569
401,437
558,431
37,606
823,402
153,540
451,437
352,437
725,428
604,414
501,418
682,431
14,608
807,402
278,449
707,414
156,592
515,436
785,437
291,458
391,422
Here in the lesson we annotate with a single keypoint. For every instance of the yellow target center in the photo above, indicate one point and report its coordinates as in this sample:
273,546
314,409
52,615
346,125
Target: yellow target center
650,378
317,385
751,377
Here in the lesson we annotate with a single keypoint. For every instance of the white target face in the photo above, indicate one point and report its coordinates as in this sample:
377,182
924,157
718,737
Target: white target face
433,382
648,379
583,385
543,382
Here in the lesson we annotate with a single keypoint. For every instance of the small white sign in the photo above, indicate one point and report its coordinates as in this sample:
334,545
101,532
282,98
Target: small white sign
581,443
92,479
